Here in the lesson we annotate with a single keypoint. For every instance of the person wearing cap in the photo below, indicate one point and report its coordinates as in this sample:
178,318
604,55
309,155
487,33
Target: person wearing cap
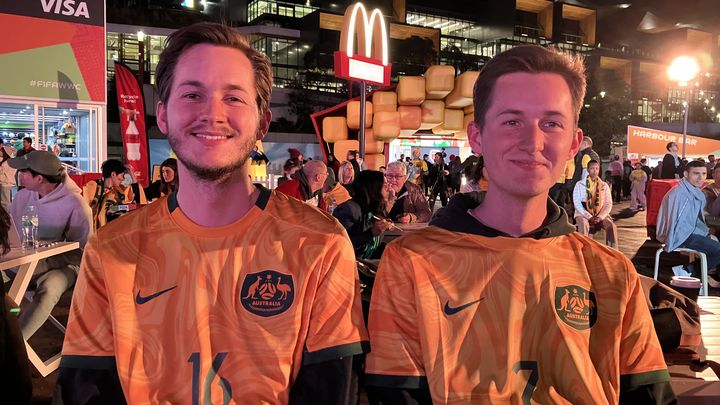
296,155
63,215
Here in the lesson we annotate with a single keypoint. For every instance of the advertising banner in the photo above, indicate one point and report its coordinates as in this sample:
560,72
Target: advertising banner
132,122
652,142
53,49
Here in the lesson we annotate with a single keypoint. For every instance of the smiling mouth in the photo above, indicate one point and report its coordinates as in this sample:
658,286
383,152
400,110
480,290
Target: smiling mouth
528,163
211,137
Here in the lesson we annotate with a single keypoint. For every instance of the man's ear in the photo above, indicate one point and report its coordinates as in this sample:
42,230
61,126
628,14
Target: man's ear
264,124
575,145
475,137
161,114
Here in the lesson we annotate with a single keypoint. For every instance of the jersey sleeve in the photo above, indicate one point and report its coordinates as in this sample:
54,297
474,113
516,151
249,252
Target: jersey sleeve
396,357
641,358
89,337
337,328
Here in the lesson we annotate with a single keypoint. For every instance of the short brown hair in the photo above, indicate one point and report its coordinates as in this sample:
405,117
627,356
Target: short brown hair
529,59
214,34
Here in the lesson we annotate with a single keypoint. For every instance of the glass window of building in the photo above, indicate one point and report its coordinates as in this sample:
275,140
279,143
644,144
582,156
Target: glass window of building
258,8
68,131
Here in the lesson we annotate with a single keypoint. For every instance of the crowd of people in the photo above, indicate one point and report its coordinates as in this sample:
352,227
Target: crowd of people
223,290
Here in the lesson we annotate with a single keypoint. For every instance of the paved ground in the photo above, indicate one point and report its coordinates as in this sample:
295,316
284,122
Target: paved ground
633,242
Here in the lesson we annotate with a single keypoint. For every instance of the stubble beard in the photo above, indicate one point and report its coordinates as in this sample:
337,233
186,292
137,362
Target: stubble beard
211,174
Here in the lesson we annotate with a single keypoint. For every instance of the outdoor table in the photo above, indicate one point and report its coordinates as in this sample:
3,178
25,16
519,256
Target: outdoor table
27,261
402,229
700,388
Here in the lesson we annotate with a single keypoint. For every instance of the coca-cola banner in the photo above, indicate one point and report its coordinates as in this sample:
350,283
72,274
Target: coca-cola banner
132,122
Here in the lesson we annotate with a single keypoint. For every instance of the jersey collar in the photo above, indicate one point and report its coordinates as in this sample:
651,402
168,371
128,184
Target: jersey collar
455,218
260,203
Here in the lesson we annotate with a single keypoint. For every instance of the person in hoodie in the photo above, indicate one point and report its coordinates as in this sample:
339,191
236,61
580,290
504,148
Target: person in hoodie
63,215
501,301
308,184
681,220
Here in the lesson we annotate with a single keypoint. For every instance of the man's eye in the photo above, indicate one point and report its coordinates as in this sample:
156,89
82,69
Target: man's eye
191,96
511,122
553,124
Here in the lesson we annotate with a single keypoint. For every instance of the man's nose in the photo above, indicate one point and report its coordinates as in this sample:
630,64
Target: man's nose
533,138
213,110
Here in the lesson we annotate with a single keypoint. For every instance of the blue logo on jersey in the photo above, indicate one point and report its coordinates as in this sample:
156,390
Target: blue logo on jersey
267,293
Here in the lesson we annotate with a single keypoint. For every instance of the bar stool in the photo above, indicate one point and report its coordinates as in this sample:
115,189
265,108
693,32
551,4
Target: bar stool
703,265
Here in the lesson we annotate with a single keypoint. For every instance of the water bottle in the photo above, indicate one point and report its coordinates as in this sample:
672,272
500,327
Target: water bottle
29,227
331,206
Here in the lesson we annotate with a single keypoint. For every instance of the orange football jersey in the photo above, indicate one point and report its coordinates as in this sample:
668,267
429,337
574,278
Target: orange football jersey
479,319
190,314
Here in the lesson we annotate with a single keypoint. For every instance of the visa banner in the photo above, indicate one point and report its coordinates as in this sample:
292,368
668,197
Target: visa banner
132,123
653,142
53,49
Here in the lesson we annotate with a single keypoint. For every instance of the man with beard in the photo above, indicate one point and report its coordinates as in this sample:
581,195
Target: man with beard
222,291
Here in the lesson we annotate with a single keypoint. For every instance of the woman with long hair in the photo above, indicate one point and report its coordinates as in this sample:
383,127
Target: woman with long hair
363,215
168,182
346,175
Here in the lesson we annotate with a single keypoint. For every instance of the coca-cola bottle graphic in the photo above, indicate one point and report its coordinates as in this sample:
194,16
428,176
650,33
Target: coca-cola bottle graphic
132,135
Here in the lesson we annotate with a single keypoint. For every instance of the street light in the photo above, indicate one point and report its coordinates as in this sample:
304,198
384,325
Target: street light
682,70
141,56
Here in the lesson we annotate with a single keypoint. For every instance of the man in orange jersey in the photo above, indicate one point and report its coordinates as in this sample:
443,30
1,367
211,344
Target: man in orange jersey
223,292
501,301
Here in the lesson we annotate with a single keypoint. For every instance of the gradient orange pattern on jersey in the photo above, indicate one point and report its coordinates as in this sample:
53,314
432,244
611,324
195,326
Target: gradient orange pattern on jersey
189,314
510,320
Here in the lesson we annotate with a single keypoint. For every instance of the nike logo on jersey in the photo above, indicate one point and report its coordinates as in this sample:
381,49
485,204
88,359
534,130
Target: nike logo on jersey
141,300
454,310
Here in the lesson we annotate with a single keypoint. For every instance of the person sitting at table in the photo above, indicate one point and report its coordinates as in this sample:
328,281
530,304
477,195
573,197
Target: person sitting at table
63,215
333,191
168,182
362,215
681,221
307,186
404,197
115,189
346,175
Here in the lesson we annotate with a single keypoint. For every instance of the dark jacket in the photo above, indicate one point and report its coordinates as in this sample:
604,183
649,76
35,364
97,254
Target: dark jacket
669,169
357,224
578,163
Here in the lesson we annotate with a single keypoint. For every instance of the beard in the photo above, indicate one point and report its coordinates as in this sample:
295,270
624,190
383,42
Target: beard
214,174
